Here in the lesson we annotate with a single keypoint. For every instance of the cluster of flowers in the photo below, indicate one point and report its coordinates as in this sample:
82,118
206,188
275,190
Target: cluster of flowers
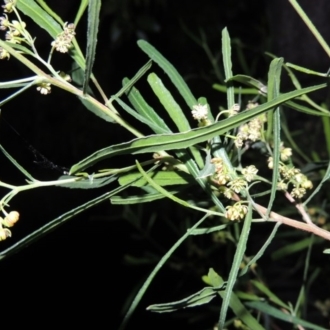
291,175
251,131
229,187
8,221
16,33
14,30
63,41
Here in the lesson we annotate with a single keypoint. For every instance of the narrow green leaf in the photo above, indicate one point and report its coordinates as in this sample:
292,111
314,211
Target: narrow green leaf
91,106
237,90
246,80
204,231
143,108
81,10
94,8
163,178
49,11
77,77
276,313
317,189
21,48
239,254
184,140
292,248
312,28
274,123
131,82
20,91
263,288
261,251
170,70
137,116
170,196
304,109
305,70
326,131
138,199
227,65
170,105
201,297
235,304
39,16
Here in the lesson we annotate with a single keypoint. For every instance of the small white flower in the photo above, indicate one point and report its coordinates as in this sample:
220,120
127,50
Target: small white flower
199,112
234,110
237,185
44,88
249,172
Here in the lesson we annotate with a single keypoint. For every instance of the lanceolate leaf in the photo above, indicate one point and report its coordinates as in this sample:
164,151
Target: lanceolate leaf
239,254
201,297
41,17
81,10
264,307
144,109
138,199
235,304
163,178
251,82
92,29
170,105
184,140
274,124
44,5
170,70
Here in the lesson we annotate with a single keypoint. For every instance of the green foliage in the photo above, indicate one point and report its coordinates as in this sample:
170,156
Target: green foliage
201,168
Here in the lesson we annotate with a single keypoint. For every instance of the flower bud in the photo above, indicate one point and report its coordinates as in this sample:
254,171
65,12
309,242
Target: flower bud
11,219
4,233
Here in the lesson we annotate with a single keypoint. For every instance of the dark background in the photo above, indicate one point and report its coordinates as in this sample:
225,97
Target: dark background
77,275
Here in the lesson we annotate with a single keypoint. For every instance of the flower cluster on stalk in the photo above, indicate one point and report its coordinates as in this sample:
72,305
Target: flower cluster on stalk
291,175
63,41
233,186
252,131
9,5
15,29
